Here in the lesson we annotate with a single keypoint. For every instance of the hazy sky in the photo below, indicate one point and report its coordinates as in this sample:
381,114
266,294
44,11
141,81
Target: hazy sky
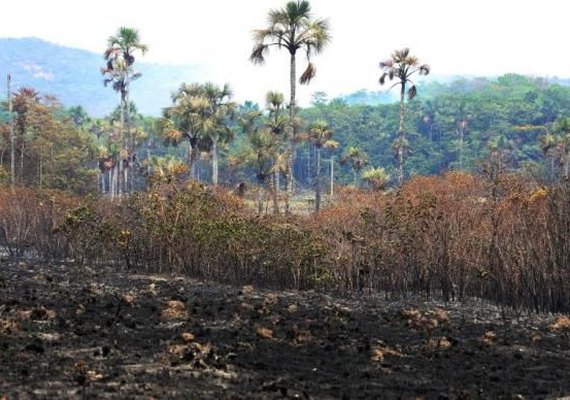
476,37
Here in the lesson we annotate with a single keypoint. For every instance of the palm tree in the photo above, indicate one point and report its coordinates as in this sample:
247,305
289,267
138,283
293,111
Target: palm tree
376,177
320,135
557,146
357,158
223,109
276,124
401,66
293,29
199,114
119,73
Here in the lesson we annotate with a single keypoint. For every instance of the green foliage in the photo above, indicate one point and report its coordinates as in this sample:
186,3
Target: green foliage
50,150
512,113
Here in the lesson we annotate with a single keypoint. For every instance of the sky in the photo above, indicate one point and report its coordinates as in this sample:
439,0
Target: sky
455,37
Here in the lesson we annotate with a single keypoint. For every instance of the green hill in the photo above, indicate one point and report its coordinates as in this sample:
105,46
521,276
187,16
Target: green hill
74,77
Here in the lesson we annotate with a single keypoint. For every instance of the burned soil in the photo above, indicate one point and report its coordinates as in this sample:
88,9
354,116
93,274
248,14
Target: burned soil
69,331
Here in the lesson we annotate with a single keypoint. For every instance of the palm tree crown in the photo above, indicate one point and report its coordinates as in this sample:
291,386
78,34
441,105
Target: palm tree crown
292,28
119,57
401,66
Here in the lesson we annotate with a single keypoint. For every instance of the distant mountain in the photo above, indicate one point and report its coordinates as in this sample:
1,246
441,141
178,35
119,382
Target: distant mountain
74,76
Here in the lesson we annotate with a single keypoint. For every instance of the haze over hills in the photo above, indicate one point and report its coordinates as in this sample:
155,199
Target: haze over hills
74,76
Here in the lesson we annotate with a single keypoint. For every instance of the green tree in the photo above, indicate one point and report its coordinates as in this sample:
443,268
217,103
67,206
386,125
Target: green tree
293,29
52,151
401,66
199,115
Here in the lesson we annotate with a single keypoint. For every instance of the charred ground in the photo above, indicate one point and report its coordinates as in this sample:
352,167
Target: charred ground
69,331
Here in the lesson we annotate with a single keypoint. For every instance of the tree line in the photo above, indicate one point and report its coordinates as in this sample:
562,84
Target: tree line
278,146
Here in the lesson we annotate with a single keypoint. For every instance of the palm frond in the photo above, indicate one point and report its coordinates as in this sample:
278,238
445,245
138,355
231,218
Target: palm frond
258,53
412,91
309,74
424,69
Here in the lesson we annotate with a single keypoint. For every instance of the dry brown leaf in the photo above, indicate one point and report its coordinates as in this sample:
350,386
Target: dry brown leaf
379,352
489,337
411,314
247,290
174,309
303,336
561,324
128,299
80,310
8,326
292,308
271,299
440,343
201,348
94,375
187,337
264,332
177,349
441,315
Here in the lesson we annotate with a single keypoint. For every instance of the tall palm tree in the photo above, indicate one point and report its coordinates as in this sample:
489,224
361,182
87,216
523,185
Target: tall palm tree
119,73
401,66
320,135
293,29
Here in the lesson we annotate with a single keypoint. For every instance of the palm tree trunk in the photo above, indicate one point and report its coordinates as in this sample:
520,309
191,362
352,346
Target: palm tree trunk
260,197
308,178
275,192
125,179
192,157
215,162
332,179
401,137
292,107
40,170
112,181
461,137
12,136
102,182
318,181
22,159
130,144
122,146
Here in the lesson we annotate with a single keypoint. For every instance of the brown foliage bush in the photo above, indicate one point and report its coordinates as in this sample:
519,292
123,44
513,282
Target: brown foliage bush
28,219
450,237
